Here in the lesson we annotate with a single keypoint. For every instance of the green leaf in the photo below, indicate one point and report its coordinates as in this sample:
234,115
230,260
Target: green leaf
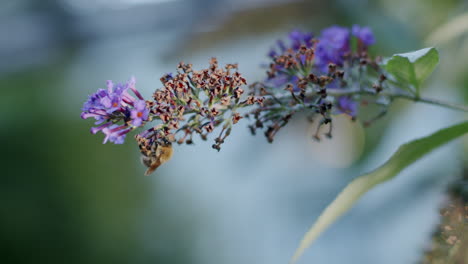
402,158
413,67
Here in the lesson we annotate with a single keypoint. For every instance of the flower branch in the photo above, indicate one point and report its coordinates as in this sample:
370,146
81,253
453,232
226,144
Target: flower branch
323,76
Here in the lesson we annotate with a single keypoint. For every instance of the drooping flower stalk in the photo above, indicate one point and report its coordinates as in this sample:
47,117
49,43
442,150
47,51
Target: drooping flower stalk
323,76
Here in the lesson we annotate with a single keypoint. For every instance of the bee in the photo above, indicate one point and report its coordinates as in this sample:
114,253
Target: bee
155,154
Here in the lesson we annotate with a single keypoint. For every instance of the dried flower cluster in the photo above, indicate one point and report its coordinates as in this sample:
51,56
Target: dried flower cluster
196,102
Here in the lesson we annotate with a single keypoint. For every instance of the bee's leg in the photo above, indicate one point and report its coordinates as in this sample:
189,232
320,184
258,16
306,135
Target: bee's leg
323,121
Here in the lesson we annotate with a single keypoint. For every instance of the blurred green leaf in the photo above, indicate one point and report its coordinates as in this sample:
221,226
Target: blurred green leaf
454,28
402,158
413,67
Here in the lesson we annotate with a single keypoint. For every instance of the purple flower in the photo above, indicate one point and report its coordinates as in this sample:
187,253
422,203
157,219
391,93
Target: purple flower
115,133
131,85
94,130
272,53
281,45
333,45
364,34
139,113
299,38
115,105
346,105
104,103
284,76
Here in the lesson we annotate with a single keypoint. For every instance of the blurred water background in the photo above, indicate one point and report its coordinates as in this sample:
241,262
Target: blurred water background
66,198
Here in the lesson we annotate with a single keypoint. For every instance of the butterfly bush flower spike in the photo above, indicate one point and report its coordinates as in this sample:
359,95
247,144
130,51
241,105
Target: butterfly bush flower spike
318,76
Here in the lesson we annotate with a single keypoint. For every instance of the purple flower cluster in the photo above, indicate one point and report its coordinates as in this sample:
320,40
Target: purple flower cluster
299,38
334,44
331,51
333,47
116,111
296,39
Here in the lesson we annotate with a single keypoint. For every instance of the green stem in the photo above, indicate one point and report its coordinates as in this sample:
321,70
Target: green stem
440,103
397,95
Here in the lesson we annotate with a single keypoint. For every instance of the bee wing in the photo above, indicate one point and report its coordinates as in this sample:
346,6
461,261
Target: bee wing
145,160
153,166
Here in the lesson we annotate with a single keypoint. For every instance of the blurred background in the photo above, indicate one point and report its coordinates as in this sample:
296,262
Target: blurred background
67,198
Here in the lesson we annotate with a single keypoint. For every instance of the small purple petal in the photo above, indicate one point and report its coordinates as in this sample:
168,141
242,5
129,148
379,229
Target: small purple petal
299,38
333,45
94,130
85,115
364,34
137,122
131,85
295,35
110,85
139,113
272,54
281,45
140,105
347,106
114,134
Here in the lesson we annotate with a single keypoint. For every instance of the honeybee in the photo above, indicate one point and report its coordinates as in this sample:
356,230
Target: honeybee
158,153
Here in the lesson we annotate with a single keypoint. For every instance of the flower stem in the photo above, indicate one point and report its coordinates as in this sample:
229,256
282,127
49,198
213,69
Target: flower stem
396,95
439,103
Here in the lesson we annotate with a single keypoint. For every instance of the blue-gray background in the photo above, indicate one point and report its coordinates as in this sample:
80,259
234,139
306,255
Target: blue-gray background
66,198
